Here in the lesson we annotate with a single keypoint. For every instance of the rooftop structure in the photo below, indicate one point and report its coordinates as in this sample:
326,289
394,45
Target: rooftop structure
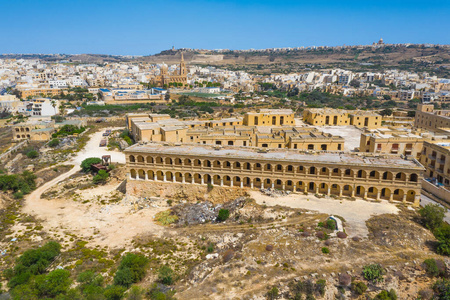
329,116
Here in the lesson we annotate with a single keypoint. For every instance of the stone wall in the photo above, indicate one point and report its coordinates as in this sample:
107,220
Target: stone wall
179,191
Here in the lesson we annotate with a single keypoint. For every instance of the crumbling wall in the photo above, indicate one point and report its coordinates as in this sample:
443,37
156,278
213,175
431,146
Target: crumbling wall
179,191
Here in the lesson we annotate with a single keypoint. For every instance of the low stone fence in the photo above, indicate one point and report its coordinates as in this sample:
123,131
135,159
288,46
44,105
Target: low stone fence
441,193
8,154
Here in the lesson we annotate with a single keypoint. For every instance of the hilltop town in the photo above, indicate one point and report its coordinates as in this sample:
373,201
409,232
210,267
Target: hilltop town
184,179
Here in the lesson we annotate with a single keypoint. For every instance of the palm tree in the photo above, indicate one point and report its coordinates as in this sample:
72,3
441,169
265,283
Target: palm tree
53,102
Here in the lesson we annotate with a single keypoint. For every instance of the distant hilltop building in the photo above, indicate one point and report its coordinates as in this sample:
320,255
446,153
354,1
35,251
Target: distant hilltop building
379,43
179,76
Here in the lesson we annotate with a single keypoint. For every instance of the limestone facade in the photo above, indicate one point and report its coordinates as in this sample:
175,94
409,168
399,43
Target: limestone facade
392,141
428,118
340,117
351,175
233,131
436,159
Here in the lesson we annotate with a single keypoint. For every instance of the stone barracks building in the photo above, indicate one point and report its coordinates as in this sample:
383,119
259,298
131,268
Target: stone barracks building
362,175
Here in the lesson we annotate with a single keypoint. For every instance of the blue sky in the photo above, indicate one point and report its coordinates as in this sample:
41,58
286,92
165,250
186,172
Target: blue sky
136,27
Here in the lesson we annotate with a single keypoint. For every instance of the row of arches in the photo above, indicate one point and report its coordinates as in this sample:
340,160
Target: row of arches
23,136
288,185
22,129
276,168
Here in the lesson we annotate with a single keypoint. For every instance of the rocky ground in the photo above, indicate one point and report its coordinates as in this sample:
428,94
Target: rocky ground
269,239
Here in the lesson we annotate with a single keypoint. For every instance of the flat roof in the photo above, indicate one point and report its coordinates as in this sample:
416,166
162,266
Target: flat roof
295,156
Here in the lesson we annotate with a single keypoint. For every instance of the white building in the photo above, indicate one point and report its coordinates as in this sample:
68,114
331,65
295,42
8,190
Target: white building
44,107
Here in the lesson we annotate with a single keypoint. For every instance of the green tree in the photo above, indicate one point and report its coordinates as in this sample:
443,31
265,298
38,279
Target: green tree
132,269
223,215
386,112
32,262
101,177
32,154
124,277
55,283
90,283
86,165
53,143
114,292
432,215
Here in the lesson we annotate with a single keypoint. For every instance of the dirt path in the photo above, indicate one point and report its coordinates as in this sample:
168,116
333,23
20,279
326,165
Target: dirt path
93,149
113,225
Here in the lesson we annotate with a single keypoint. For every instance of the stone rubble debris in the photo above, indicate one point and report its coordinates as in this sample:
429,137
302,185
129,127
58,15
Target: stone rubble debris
274,192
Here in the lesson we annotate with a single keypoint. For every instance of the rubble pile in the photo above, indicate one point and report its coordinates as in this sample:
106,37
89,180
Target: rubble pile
199,213
274,192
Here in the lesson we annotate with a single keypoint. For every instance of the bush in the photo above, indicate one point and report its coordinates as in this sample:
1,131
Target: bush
320,286
90,283
442,288
297,289
385,295
53,143
165,275
359,287
33,262
331,224
126,136
341,235
55,283
442,234
135,293
228,255
32,154
325,250
432,215
345,279
18,195
132,269
434,268
114,292
68,130
223,214
322,235
160,293
86,165
101,177
24,182
373,272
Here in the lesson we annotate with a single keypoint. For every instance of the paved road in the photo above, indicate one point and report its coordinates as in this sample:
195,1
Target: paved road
424,200
93,149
